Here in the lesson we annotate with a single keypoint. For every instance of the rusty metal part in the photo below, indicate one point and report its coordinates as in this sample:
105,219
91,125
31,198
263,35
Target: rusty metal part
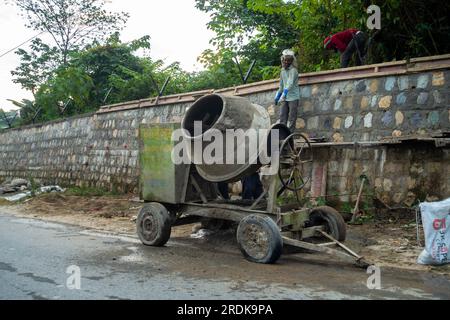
358,260
356,209
218,114
368,71
295,151
160,179
198,189
326,235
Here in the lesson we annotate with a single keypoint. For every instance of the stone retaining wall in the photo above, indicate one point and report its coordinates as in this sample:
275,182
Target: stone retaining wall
102,149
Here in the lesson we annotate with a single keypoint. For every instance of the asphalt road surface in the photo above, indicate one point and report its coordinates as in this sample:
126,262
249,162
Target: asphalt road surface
41,260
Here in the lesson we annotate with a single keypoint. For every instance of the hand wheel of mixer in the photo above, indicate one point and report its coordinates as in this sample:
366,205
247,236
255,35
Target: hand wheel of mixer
295,156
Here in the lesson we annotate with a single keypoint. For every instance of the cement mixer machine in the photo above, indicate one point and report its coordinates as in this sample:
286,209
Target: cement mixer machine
221,140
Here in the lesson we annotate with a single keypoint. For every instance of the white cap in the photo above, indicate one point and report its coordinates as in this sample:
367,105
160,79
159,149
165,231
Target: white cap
288,52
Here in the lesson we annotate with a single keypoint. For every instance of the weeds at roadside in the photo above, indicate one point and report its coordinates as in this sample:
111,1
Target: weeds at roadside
90,192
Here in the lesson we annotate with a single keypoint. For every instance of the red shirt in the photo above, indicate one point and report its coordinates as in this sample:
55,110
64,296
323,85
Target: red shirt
341,39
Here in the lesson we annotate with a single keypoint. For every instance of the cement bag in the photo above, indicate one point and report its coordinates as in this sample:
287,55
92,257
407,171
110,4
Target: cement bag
436,225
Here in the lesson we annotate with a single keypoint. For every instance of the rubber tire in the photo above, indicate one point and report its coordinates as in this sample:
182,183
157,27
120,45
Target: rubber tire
275,246
335,223
163,220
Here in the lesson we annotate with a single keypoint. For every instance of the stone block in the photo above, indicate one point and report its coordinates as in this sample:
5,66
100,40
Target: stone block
315,90
300,124
437,97
387,118
396,133
365,102
337,104
438,79
348,122
368,120
423,81
389,83
403,83
433,118
422,98
348,103
387,185
327,125
337,123
373,87
307,106
305,91
325,104
361,86
399,118
313,123
337,137
416,119
373,101
385,102
401,98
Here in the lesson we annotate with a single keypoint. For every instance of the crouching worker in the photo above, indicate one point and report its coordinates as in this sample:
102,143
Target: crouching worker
252,187
289,91
348,42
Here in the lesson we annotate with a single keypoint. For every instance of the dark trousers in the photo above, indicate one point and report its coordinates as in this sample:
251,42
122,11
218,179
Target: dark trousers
288,111
251,187
356,45
223,189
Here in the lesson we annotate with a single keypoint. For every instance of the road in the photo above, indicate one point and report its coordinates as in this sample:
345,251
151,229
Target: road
35,257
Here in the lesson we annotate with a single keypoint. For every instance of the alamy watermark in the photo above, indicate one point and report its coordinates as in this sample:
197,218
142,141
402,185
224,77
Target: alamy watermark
374,280
73,282
374,20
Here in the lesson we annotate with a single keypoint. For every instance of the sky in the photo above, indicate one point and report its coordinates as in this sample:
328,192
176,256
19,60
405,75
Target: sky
177,29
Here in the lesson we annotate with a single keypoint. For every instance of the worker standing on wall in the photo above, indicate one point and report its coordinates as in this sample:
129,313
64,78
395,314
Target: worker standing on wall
348,42
289,91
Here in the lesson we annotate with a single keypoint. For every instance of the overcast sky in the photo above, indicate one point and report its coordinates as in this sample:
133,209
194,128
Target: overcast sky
177,29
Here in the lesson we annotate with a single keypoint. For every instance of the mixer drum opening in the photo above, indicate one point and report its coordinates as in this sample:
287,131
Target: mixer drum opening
207,109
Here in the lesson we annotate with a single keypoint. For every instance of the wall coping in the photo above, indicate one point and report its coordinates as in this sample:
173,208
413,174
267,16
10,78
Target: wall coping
42,124
402,67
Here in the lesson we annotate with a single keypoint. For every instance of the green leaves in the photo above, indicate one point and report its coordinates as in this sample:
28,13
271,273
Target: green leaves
69,85
260,29
71,23
36,65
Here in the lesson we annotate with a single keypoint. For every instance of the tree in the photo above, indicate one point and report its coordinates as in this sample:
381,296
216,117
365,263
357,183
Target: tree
36,66
28,111
71,23
105,74
250,33
262,28
412,28
111,63
68,92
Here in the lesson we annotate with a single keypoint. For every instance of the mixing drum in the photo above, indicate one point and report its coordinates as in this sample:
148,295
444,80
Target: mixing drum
217,114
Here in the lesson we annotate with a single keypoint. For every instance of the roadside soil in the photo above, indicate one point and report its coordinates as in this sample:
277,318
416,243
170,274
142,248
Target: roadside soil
388,243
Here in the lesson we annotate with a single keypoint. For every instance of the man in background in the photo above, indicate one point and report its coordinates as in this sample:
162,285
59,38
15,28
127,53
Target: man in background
348,42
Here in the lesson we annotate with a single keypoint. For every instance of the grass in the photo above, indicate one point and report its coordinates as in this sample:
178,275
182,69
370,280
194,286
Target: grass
4,202
89,192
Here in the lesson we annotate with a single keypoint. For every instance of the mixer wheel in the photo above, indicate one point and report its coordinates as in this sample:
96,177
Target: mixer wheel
259,239
153,224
